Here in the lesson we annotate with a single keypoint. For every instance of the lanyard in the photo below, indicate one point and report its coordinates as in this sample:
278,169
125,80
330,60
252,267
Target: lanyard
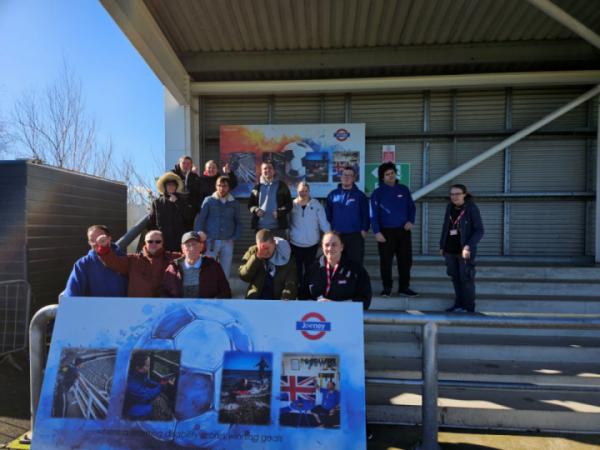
455,222
329,277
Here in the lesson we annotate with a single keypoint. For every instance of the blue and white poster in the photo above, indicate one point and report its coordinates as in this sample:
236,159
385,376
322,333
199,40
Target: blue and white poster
127,373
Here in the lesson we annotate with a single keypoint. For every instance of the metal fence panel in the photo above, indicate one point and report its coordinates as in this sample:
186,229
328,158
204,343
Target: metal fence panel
15,304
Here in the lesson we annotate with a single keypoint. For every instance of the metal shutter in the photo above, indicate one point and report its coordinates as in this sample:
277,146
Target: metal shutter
480,110
440,112
442,159
304,109
550,228
530,105
543,164
334,109
390,114
233,111
485,177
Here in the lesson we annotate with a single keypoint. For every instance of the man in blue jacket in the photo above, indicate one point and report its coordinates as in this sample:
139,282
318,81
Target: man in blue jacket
90,277
393,216
347,210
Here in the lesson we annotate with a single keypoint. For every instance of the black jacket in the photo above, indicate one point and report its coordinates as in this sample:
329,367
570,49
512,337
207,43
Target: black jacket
172,218
284,205
191,185
350,282
470,227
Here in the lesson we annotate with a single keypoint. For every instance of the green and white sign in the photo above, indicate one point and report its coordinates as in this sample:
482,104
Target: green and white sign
372,179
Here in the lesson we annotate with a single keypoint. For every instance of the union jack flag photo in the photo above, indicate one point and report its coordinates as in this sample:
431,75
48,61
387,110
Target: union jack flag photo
309,391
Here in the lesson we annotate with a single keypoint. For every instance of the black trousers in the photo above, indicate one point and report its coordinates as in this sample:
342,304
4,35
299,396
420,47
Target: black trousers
398,243
354,246
304,257
462,272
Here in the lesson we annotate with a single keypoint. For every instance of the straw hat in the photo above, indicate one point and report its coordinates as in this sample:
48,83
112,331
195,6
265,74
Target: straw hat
165,178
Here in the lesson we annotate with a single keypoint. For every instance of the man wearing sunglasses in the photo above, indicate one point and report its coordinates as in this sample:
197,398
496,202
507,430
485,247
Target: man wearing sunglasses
145,269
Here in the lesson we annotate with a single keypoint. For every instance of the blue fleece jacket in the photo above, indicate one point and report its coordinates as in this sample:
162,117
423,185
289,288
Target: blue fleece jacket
347,210
391,207
91,278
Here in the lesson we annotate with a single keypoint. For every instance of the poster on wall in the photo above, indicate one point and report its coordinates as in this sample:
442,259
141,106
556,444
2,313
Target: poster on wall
372,176
211,374
315,153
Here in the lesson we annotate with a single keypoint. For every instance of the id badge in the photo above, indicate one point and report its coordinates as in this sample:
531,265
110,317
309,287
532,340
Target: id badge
453,232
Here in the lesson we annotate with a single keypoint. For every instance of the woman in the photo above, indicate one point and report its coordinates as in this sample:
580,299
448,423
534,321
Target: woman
308,220
462,231
171,212
333,278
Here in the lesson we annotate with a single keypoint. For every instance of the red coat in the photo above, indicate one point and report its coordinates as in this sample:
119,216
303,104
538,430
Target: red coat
213,283
145,271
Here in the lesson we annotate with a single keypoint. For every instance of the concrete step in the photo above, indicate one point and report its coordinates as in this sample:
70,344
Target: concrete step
482,352
516,410
490,303
538,373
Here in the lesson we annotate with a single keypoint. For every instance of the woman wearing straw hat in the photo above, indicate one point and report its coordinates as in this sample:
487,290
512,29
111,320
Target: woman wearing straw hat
171,212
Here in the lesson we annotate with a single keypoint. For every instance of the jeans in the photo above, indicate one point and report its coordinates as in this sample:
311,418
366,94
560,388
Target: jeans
222,251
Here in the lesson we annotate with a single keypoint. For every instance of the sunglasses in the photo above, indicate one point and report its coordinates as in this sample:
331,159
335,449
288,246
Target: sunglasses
153,242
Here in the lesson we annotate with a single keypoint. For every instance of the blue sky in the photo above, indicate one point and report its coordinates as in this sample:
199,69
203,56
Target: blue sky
120,91
246,361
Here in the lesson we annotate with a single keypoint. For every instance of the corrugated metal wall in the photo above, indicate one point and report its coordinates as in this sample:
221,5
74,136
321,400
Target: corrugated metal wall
437,131
12,220
59,206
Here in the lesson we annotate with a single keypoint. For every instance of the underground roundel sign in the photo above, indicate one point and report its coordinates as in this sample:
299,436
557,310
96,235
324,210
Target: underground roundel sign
341,134
313,326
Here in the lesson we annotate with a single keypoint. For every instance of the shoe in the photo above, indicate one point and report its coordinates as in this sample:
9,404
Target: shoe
385,293
369,434
407,293
453,308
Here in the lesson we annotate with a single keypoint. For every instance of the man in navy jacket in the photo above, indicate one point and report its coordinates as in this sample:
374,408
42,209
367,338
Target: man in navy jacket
90,277
393,216
347,210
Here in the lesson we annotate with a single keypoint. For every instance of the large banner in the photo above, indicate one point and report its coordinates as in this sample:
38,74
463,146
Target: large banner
127,373
315,153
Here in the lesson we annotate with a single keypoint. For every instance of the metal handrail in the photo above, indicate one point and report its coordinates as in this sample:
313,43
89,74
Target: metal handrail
133,233
429,323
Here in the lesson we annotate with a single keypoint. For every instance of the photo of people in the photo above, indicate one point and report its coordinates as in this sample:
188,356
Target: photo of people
83,383
316,164
246,388
309,391
345,159
151,385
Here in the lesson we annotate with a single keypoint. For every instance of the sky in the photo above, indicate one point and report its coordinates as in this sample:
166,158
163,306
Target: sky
121,92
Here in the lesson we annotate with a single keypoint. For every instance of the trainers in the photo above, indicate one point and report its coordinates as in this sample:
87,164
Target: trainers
407,293
385,293
453,308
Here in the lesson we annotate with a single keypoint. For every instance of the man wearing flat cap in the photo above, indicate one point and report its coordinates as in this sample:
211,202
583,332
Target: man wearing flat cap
172,212
195,275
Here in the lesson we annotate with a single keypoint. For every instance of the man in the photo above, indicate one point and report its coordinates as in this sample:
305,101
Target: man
208,179
191,182
195,275
270,202
66,378
145,269
327,414
269,269
91,278
393,216
347,211
220,220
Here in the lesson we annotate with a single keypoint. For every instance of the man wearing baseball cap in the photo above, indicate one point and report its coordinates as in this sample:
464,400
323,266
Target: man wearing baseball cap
195,275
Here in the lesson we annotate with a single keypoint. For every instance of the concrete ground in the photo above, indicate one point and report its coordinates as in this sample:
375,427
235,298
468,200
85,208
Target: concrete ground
14,421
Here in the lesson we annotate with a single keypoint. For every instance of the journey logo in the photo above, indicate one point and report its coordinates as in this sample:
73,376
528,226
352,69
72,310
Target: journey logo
313,329
341,134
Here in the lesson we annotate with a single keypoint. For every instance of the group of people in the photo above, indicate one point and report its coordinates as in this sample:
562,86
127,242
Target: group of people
194,223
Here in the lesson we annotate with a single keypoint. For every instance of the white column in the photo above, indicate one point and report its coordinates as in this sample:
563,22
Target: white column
597,252
177,131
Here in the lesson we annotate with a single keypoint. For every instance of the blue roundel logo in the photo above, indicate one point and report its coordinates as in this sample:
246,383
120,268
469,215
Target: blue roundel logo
341,134
313,329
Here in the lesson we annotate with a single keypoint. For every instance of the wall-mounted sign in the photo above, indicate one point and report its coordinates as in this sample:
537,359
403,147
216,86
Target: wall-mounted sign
315,153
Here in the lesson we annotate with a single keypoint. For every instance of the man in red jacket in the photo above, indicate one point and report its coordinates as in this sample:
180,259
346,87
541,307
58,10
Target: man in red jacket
195,275
145,269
